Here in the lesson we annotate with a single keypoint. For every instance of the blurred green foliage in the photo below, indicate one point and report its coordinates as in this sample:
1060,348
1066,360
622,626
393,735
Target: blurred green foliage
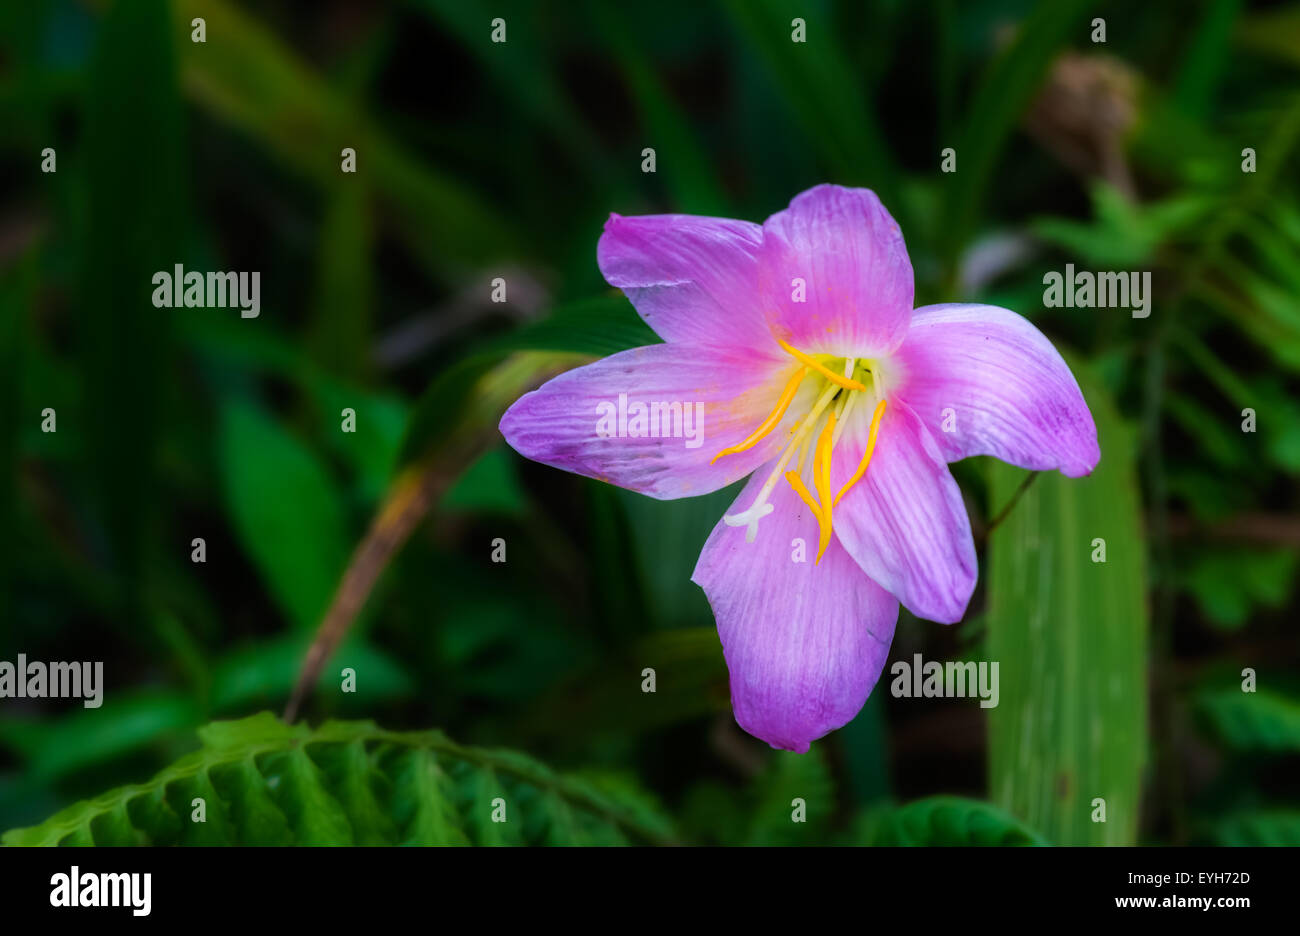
477,160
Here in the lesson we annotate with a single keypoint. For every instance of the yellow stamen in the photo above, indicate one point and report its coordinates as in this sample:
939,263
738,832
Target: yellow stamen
822,478
801,489
820,368
749,518
767,425
866,456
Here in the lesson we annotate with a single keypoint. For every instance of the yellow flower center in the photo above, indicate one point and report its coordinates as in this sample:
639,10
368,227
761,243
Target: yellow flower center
835,402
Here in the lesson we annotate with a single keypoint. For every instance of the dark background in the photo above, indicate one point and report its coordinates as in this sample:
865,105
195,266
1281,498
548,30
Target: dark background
477,160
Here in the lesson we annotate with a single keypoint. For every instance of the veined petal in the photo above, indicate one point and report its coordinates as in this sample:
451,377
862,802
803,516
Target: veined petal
694,280
1010,393
904,522
804,642
585,420
856,276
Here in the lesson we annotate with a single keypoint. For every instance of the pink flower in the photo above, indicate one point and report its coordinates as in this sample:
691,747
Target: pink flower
797,344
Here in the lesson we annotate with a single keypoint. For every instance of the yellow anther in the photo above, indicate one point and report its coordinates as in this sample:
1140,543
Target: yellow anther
866,456
822,479
821,368
767,425
801,489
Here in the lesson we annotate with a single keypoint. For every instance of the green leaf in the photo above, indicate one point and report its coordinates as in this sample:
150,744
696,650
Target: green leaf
469,396
134,214
88,736
1207,56
267,783
952,821
285,508
1123,233
340,329
488,485
1230,584
263,673
792,786
1069,634
1252,721
598,326
1259,827
669,537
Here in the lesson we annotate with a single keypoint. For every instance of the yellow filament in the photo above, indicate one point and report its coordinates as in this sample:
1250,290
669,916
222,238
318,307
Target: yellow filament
801,489
767,425
822,479
756,506
866,456
820,368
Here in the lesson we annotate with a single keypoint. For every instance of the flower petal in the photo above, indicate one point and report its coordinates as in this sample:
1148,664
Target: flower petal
804,642
694,280
1010,392
904,522
722,395
850,255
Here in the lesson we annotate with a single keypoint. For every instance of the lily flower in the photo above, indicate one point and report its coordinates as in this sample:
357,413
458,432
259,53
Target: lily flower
797,343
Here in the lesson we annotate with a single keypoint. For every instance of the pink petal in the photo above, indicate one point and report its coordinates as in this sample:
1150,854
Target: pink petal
558,423
804,642
850,254
904,522
1010,393
694,280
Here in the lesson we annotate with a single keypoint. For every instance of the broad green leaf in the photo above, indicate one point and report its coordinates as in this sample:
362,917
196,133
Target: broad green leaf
952,821
1263,720
285,508
381,416
267,783
1069,635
